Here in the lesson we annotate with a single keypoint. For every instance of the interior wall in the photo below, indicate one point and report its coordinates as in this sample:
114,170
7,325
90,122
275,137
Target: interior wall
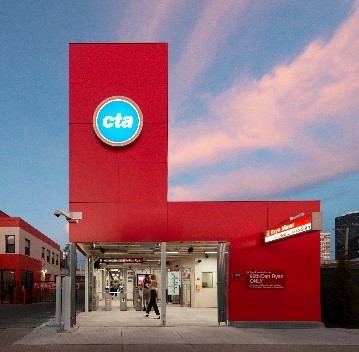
205,297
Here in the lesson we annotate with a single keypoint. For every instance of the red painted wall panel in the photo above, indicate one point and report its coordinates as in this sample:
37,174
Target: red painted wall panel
123,192
86,147
135,63
143,94
114,222
225,221
243,224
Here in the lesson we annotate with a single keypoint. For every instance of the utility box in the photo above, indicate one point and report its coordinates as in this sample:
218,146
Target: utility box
108,301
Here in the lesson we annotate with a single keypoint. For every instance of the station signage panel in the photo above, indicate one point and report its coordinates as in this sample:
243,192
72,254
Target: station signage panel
174,282
297,225
265,279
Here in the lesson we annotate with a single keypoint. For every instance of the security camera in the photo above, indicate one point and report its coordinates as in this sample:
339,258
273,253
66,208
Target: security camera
71,217
59,212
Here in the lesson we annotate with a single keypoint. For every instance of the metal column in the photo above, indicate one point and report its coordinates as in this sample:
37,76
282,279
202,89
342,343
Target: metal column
89,284
72,272
87,295
222,277
163,283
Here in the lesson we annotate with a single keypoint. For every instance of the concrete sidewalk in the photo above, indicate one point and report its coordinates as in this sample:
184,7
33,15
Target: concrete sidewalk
185,326
190,335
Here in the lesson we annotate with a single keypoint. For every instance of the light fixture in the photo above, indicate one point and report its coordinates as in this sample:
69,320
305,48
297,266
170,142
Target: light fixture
175,252
209,252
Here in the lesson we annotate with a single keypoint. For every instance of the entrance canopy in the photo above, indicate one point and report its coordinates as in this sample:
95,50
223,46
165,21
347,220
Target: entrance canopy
124,254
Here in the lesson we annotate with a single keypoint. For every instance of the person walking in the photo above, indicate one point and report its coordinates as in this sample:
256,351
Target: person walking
153,298
146,291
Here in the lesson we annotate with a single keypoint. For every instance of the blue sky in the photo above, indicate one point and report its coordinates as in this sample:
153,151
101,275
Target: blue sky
263,99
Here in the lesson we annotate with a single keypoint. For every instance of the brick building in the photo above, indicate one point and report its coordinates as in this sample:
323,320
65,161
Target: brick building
29,261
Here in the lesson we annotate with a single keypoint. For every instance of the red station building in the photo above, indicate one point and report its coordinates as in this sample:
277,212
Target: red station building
122,190
29,261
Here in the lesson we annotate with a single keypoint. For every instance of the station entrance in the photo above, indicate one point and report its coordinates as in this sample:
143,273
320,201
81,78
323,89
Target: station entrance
118,180
194,286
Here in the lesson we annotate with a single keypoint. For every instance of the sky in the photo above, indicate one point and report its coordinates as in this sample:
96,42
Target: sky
263,99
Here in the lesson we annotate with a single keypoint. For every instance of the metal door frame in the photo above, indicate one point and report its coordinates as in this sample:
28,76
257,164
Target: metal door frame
222,278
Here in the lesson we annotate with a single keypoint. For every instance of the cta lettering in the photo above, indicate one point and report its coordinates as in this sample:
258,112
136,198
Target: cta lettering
117,121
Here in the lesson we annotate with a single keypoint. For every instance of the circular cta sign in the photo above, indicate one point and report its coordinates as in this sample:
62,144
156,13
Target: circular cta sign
117,121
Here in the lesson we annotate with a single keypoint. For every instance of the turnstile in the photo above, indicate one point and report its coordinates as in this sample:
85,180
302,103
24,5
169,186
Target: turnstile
137,299
123,300
108,301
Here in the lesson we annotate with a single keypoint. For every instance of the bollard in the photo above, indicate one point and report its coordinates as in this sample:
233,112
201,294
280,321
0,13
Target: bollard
66,313
94,302
24,296
58,301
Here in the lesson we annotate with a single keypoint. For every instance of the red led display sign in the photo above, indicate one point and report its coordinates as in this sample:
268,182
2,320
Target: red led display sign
297,225
121,260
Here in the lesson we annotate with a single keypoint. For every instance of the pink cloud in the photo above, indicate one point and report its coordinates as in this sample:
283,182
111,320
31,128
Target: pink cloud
277,112
216,22
145,20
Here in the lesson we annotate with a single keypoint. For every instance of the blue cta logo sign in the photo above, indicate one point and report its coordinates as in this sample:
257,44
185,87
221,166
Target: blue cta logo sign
118,121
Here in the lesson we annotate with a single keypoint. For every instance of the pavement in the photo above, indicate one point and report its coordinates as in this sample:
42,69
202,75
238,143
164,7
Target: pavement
187,329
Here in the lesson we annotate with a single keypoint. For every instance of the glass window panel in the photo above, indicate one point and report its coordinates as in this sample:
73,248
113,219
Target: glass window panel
27,247
207,280
10,243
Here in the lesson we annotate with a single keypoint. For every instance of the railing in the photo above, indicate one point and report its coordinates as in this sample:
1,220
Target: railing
37,291
15,292
44,291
